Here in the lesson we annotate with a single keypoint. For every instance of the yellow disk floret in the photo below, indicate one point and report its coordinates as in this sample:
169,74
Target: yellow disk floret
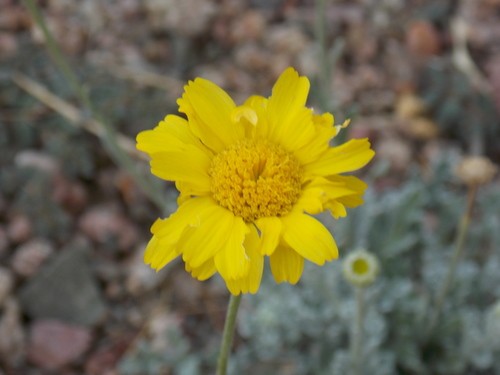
255,179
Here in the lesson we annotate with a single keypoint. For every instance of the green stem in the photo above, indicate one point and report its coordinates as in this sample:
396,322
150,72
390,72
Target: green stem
119,156
357,333
227,337
455,259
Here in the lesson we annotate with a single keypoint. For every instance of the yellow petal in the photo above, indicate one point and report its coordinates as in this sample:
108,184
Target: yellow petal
309,238
357,186
162,248
203,272
171,134
190,165
159,253
290,122
270,229
209,110
286,265
324,132
336,208
232,260
259,105
251,282
318,192
208,237
348,157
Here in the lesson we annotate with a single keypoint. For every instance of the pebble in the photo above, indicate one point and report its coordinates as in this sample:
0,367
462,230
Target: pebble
422,39
28,258
37,160
8,45
70,194
286,39
396,151
104,223
19,229
54,344
249,27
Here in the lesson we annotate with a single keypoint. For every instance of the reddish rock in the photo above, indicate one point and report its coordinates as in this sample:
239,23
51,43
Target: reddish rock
103,223
72,195
28,258
422,39
53,344
19,229
8,45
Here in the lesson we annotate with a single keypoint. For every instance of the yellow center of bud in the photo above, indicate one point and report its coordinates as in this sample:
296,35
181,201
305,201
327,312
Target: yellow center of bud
255,178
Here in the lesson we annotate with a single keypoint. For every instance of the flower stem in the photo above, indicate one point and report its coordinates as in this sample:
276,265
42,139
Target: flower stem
357,333
227,337
456,257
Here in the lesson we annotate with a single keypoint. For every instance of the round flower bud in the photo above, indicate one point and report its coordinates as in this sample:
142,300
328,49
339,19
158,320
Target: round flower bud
360,268
476,170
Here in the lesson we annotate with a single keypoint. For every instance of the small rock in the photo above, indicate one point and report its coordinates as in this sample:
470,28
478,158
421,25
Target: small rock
53,344
422,129
19,229
409,106
28,258
396,152
105,223
286,39
8,45
252,57
423,39
249,27
187,18
14,19
36,160
65,289
12,337
6,284
70,194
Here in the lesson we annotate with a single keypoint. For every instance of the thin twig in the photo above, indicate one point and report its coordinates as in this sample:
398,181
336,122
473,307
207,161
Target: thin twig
462,58
71,112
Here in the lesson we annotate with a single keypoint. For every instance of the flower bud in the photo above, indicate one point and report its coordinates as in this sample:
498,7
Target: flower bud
360,268
476,170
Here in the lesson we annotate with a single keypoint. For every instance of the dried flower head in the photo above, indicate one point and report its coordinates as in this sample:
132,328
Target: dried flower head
249,178
476,170
360,268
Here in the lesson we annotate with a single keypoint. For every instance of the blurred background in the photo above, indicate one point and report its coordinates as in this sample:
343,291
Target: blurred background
420,78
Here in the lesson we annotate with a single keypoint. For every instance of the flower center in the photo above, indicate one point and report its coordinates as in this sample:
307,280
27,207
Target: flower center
255,178
360,266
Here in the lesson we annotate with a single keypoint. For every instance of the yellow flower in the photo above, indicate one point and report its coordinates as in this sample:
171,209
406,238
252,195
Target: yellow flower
249,178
